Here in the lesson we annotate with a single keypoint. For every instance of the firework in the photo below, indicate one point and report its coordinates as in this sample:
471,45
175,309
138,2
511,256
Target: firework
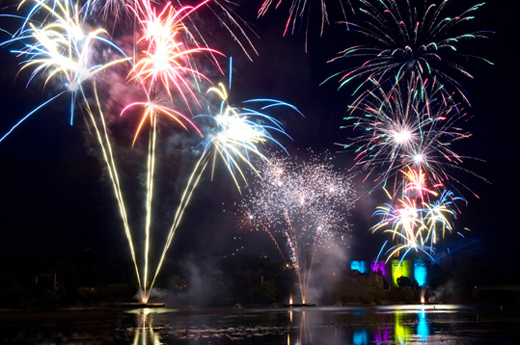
220,9
64,44
438,215
307,201
223,11
235,134
417,183
62,48
166,65
404,222
412,124
118,8
167,59
154,108
299,11
403,39
416,223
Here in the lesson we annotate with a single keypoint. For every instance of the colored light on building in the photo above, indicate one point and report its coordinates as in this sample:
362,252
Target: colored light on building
378,266
421,271
359,265
401,269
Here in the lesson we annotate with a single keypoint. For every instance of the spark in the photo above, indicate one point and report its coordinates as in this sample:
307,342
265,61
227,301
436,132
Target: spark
407,40
236,135
62,48
306,201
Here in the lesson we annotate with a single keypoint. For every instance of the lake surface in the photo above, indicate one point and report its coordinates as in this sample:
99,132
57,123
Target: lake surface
403,324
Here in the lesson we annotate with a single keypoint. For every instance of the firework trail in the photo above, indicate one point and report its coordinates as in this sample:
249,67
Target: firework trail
404,38
307,201
62,48
231,21
62,42
249,222
236,135
164,64
301,10
100,128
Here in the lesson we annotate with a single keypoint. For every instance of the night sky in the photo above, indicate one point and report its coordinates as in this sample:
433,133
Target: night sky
55,198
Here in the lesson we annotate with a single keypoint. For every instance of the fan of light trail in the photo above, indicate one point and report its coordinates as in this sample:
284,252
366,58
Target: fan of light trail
163,67
308,201
233,136
62,42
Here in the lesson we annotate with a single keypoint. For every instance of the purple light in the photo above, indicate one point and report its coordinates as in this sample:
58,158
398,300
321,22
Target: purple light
378,266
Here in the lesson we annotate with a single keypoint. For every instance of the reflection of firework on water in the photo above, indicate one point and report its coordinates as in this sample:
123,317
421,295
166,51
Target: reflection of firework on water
305,200
404,38
412,124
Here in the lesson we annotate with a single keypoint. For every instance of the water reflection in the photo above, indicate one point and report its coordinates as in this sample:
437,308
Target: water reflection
296,326
401,324
423,330
305,335
360,337
144,332
402,332
381,337
350,325
407,327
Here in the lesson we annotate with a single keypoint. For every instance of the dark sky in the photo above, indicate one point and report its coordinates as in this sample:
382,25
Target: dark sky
55,199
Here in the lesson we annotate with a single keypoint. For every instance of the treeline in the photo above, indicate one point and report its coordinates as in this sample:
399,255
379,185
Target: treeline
94,278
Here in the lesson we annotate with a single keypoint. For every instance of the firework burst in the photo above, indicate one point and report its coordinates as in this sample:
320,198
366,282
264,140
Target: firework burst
62,49
415,221
306,201
235,134
413,124
409,38
167,60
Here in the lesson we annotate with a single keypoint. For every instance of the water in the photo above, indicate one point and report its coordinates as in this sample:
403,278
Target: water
406,324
